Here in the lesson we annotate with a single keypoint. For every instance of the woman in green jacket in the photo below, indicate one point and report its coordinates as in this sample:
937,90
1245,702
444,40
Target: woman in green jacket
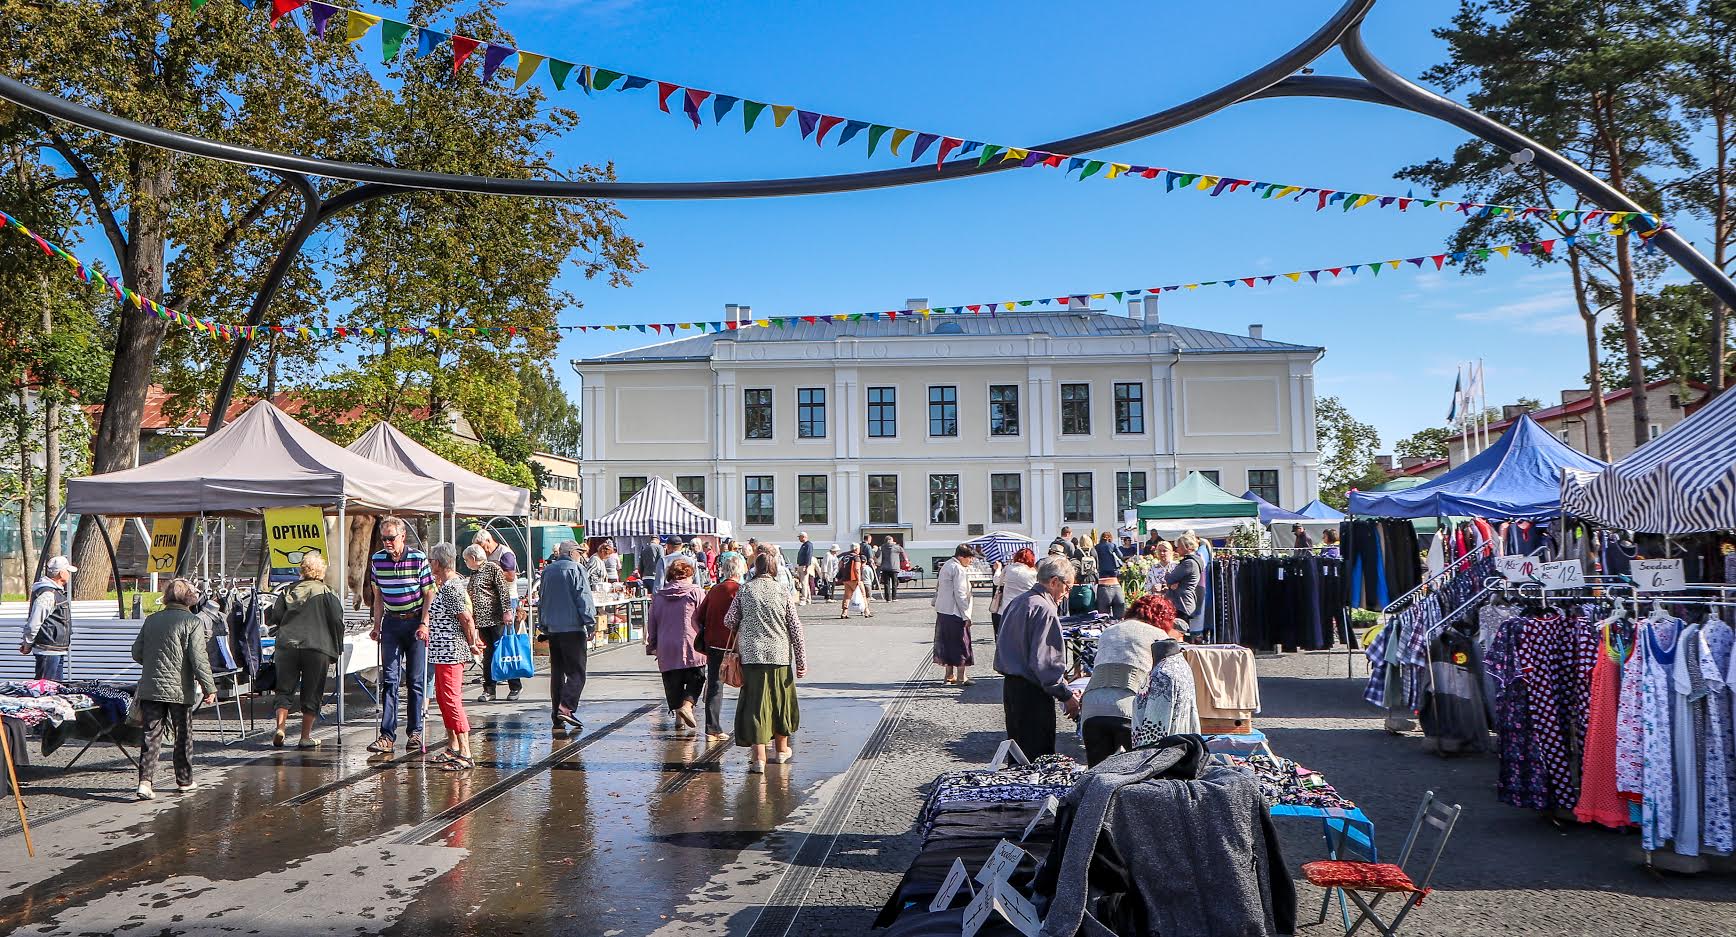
175,676
310,636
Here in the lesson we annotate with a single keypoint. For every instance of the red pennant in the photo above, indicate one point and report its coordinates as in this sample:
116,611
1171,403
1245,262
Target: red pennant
893,314
947,145
1547,246
511,330
1440,260
664,90
977,308
278,329
695,97
1323,195
1150,172
282,8
657,328
462,46
810,320
1403,204
1334,270
827,122
1053,160
733,325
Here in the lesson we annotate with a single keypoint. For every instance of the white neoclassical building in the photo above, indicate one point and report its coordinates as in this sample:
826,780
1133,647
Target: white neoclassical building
937,429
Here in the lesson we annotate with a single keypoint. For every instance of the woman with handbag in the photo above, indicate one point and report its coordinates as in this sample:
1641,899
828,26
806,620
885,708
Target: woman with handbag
488,603
309,623
452,642
671,632
718,641
768,638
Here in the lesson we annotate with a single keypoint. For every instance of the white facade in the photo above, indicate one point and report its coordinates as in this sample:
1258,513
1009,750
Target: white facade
694,411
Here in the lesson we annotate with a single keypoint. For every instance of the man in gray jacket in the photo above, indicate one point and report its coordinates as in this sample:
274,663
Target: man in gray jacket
1030,653
569,617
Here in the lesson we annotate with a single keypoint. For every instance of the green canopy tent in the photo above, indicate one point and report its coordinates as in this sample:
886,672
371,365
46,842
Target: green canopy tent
1197,505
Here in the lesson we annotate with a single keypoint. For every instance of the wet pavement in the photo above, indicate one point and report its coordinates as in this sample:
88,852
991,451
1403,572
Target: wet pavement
630,827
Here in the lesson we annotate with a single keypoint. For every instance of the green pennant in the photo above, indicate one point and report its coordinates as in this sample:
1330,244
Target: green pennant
875,132
750,111
989,151
1117,295
1350,199
1428,202
602,78
1374,268
1186,179
856,317
558,71
1025,302
391,39
1090,169
196,4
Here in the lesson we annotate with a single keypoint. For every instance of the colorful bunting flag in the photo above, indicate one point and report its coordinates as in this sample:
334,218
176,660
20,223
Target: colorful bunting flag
357,25
322,14
528,63
492,59
558,72
462,46
392,39
282,8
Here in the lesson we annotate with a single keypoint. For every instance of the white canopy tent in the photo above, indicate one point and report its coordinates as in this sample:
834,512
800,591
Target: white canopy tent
466,493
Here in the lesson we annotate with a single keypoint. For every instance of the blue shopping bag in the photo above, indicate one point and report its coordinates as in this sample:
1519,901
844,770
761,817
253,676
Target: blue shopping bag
512,658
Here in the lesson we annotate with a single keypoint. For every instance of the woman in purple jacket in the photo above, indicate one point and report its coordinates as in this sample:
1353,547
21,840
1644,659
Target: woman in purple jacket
670,635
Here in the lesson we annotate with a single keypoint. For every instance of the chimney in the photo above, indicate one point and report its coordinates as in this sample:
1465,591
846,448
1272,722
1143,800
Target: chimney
1569,396
1512,411
1151,316
731,312
1256,331
920,302
1136,311
1409,462
745,312
1385,463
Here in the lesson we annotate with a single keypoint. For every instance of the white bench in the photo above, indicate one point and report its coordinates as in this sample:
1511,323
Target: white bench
102,645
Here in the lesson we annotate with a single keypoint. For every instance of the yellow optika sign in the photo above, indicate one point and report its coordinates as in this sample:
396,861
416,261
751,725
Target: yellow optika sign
290,534
165,544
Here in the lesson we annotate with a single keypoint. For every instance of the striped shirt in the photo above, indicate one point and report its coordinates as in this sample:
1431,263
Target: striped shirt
401,582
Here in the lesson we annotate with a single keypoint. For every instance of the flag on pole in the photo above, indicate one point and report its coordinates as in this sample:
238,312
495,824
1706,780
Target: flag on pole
1458,396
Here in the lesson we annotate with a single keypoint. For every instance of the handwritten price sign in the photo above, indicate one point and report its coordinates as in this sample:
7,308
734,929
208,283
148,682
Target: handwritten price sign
1567,574
1659,576
1518,568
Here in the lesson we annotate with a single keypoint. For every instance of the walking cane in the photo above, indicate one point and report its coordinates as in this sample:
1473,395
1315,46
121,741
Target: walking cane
17,795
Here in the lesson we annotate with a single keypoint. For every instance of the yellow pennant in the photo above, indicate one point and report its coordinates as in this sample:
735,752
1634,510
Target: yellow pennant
1010,306
1294,277
763,323
359,24
1504,250
1116,169
1288,190
1193,286
781,113
527,66
924,313
1363,201
1012,154
898,138
1206,182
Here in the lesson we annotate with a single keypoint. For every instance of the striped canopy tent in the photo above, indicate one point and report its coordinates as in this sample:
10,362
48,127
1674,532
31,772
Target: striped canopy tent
1679,483
658,510
998,546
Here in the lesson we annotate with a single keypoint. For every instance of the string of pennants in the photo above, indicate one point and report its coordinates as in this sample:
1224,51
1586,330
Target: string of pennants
698,104
226,331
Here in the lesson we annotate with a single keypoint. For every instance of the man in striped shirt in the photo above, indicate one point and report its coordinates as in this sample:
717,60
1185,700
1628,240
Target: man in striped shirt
403,589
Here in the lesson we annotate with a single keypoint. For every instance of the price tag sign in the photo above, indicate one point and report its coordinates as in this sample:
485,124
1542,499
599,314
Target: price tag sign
1051,807
1016,909
976,914
1008,753
1659,576
1000,865
1566,574
1518,568
956,878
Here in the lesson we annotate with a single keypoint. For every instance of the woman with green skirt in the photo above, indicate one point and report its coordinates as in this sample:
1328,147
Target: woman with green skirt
768,635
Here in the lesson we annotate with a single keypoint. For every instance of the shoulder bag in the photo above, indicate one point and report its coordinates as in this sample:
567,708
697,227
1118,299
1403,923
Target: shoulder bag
729,671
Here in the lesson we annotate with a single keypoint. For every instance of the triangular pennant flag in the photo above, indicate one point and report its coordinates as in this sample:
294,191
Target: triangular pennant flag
851,129
1115,169
721,105
989,151
462,46
923,142
428,40
690,106
1014,154
898,138
947,145
282,8
781,113
195,5
1439,259
392,39
528,63
492,58
664,90
634,83
359,24
806,121
875,132
1090,169
322,14
602,78
827,122
750,111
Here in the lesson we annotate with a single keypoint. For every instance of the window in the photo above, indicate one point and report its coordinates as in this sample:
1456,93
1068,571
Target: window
1075,409
943,411
1129,491
883,499
630,486
1264,482
1004,410
756,420
692,487
1130,408
1211,475
759,499
1006,499
811,413
1655,431
811,505
1076,496
882,412
557,515
562,483
943,499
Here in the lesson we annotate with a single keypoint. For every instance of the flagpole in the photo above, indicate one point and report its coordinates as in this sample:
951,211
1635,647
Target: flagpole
1464,423
1483,407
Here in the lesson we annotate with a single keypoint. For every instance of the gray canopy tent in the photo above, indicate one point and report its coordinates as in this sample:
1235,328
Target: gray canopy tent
466,493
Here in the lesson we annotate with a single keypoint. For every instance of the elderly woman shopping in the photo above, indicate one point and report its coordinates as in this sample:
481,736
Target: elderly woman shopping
671,636
768,635
174,677
310,637
490,601
452,642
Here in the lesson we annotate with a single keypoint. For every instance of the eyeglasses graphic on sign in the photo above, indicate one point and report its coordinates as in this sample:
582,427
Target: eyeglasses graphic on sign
294,557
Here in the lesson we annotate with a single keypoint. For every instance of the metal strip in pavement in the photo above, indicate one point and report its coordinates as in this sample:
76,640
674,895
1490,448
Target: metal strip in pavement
433,826
777,918
706,762
371,769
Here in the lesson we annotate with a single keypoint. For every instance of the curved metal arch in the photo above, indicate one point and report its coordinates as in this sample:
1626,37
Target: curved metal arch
1304,52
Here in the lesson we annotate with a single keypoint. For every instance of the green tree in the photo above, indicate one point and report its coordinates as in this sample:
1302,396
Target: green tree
1347,447
1586,78
548,415
1676,335
1427,444
1708,96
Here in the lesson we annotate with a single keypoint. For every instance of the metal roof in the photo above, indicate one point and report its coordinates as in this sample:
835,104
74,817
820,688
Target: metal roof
1059,324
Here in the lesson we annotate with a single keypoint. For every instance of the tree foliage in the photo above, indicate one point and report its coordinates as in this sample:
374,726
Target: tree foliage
1347,449
1676,327
549,417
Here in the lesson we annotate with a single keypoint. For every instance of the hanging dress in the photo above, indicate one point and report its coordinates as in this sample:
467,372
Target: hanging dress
1655,712
1721,701
1714,834
1599,801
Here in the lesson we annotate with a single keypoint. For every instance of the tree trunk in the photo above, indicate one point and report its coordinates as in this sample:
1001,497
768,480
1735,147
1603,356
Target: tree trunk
1600,410
1630,326
116,445
24,487
50,452
1721,237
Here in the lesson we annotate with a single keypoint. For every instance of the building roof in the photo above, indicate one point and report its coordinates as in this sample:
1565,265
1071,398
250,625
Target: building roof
1583,404
1057,323
1423,468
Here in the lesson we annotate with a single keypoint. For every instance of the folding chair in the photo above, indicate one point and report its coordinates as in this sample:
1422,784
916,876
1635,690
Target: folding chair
1367,883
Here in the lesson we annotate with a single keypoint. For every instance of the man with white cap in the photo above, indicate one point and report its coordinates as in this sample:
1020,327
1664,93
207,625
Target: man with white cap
48,624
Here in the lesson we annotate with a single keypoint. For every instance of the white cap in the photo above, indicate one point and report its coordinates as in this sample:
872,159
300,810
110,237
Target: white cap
834,548
60,564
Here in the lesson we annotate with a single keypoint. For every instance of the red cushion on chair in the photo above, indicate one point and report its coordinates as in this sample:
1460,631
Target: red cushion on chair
1358,876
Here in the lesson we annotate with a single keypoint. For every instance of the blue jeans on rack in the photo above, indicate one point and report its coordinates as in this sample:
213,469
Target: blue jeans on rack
398,644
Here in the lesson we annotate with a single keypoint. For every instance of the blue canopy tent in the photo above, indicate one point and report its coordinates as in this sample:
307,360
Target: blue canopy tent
1320,511
1519,476
1270,513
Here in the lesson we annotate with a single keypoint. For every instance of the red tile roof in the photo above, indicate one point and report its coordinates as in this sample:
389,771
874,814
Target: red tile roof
1423,468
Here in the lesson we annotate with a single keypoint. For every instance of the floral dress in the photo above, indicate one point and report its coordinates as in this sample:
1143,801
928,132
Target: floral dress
446,644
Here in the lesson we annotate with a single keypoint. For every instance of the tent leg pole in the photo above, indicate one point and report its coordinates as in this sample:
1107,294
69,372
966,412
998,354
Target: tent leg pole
343,601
